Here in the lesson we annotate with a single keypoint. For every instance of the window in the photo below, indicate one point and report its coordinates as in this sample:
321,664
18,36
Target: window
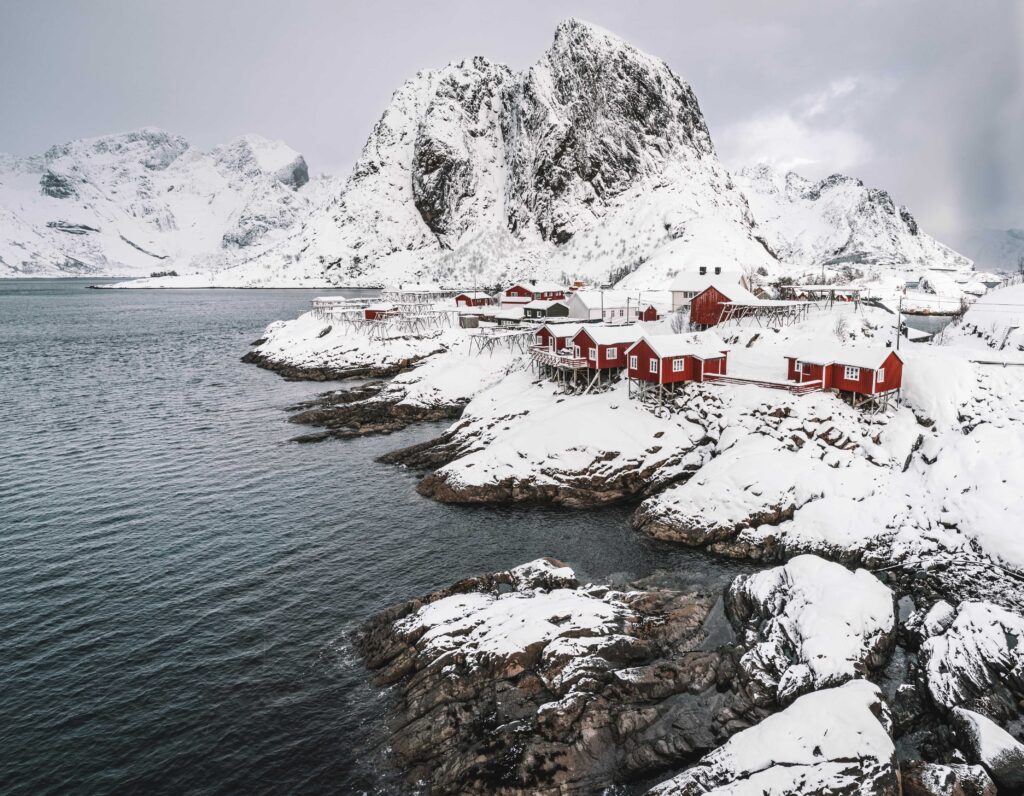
613,353
593,354
633,365
678,365
539,339
654,365
881,375
621,312
851,373
576,351
806,368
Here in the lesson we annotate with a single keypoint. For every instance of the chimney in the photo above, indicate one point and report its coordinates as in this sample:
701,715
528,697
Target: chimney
718,269
703,270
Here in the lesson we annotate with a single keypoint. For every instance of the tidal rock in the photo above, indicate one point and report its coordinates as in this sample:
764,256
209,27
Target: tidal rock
974,657
987,743
934,779
810,624
526,681
834,741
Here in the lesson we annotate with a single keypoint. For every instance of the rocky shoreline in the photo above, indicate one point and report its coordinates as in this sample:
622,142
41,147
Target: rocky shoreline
323,373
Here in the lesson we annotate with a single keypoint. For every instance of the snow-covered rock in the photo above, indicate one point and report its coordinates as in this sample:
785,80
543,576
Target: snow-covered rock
833,741
918,778
974,657
146,201
987,743
811,624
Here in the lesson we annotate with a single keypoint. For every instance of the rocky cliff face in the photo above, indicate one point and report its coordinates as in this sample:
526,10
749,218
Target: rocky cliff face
145,201
838,221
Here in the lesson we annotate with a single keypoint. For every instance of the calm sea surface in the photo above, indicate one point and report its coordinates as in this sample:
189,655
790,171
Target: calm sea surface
179,583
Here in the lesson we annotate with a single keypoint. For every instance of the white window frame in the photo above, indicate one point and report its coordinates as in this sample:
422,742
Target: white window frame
539,339
653,365
880,375
634,362
678,364
612,352
592,355
851,373
576,353
805,368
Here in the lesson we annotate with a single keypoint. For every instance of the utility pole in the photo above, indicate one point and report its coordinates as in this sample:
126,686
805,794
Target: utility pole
899,324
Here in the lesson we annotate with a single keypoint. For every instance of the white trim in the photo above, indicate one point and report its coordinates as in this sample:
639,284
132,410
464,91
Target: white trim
612,353
851,373
634,362
653,365
678,364
880,374
576,352
592,354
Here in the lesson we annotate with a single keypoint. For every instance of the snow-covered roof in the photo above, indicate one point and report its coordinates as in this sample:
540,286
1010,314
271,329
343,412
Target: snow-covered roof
381,306
679,345
538,286
507,312
734,292
693,281
612,335
474,294
595,299
564,329
860,357
538,304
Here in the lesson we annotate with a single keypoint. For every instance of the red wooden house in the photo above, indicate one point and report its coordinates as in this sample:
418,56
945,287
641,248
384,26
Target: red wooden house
532,290
375,311
674,358
862,371
556,336
604,347
474,298
648,313
707,306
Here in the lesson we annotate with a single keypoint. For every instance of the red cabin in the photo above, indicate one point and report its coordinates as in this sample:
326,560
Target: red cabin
532,290
375,311
474,298
856,370
556,336
604,347
707,306
649,313
672,358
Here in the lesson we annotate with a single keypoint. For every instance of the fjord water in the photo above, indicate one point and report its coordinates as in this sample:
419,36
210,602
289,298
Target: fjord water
179,583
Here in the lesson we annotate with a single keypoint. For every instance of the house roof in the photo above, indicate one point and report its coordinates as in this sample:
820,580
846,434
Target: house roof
473,294
381,306
855,356
613,335
702,346
595,299
538,286
538,304
564,329
734,292
694,282
507,312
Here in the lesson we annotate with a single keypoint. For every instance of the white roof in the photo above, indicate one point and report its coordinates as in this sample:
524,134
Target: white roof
507,312
474,294
612,335
735,293
858,357
386,305
538,286
538,304
694,282
594,299
702,346
563,329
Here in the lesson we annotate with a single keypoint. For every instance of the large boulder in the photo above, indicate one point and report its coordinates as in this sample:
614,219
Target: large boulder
834,741
985,742
810,624
934,779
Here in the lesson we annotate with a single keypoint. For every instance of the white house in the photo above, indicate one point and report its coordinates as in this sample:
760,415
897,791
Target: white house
690,282
610,306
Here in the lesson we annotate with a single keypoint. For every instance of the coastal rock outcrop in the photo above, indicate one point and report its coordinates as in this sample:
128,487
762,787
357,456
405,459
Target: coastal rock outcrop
834,741
526,681
801,635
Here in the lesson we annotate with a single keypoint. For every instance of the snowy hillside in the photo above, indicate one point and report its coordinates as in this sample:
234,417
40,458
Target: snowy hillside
145,201
838,221
998,250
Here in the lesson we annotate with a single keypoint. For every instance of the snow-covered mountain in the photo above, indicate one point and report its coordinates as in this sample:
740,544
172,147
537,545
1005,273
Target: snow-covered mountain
838,221
145,201
594,163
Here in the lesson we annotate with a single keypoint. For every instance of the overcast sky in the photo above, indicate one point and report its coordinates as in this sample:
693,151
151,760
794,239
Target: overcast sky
923,98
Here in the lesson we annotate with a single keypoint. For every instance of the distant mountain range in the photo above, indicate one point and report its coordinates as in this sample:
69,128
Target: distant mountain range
594,163
996,249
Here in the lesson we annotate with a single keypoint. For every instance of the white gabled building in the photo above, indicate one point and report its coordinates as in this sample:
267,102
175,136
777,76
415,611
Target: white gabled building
610,306
690,282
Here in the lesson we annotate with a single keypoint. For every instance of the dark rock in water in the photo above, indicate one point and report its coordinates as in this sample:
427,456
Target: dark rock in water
934,779
526,682
427,455
344,414
299,373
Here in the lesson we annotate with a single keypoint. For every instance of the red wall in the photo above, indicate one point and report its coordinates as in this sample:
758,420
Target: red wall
834,376
649,314
585,342
706,307
465,301
694,369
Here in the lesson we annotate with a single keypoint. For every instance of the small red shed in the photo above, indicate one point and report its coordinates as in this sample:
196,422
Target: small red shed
375,311
706,307
648,313
604,347
673,358
556,336
474,298
865,371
